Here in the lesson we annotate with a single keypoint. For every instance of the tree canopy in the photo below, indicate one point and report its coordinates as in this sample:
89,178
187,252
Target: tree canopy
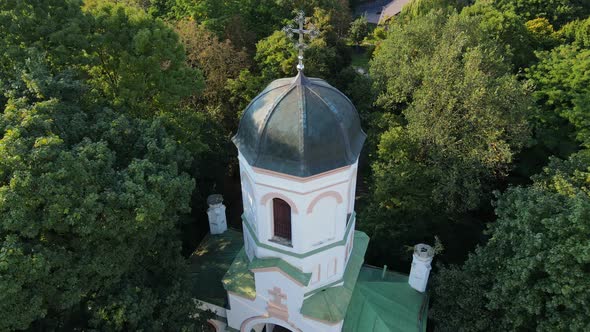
115,119
94,186
532,272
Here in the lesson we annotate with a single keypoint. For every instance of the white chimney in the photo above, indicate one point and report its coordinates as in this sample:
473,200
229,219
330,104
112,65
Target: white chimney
423,255
216,213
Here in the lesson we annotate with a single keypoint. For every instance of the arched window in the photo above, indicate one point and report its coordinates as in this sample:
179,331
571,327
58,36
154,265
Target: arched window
281,220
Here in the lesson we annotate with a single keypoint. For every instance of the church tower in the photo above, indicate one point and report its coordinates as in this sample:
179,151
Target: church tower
297,265
298,144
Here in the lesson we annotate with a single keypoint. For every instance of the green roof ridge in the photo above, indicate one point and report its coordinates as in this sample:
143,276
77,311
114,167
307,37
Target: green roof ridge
290,270
341,242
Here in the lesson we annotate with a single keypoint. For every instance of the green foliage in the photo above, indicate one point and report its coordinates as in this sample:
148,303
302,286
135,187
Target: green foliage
357,87
260,16
462,113
577,33
276,56
139,64
542,33
89,203
325,56
219,61
532,273
452,119
359,29
416,8
562,92
506,29
379,33
244,88
92,183
58,28
233,18
557,12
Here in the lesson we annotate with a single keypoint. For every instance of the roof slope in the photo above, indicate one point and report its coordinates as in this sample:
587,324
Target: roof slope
209,263
295,273
300,126
239,278
385,304
393,8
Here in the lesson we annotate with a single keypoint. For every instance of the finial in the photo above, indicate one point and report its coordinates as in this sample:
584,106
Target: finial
311,31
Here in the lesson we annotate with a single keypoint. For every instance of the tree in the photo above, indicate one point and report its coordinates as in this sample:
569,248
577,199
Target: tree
359,29
507,29
134,63
558,12
533,271
276,56
325,56
562,90
92,183
58,28
244,89
447,101
218,61
542,33
452,118
89,206
576,33
138,63
417,8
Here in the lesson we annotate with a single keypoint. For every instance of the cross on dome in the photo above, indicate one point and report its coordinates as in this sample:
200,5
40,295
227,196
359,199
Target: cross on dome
290,30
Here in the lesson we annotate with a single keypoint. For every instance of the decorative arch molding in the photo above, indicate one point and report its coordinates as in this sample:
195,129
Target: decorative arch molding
269,196
249,323
319,197
215,325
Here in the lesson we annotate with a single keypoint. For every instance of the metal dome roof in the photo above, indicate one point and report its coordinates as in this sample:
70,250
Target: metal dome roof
300,126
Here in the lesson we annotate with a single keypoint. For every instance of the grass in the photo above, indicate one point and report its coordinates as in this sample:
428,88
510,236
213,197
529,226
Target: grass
360,58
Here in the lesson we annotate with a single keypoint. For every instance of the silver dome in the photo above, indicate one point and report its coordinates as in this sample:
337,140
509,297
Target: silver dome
300,126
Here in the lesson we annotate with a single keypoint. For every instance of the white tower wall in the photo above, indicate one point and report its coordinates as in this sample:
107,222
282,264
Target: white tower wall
321,219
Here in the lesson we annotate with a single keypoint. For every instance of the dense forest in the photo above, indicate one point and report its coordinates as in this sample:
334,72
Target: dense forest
116,118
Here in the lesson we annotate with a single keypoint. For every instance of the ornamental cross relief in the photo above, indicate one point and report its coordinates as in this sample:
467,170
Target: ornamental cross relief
276,307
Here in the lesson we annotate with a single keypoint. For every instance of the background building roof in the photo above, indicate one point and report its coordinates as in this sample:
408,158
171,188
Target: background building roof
300,126
393,8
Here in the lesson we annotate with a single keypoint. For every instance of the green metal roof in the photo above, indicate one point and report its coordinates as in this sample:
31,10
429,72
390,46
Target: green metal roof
292,271
239,279
367,300
385,304
209,263
330,304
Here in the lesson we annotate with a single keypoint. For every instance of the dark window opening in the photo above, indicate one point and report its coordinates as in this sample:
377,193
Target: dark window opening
281,221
